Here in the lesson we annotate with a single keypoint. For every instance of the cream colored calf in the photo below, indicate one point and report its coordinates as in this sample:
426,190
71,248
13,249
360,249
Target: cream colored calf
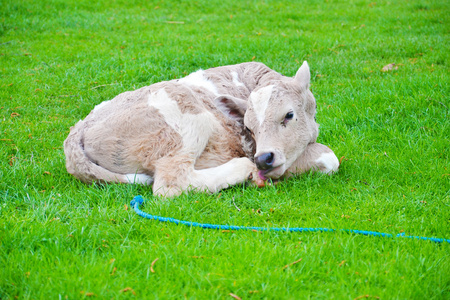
210,130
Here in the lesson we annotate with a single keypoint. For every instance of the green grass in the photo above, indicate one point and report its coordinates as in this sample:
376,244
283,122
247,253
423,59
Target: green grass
62,239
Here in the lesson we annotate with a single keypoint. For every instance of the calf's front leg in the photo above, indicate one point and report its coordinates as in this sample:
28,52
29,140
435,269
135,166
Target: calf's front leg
175,175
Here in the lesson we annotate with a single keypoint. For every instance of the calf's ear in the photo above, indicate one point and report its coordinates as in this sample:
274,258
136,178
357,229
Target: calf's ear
303,76
232,107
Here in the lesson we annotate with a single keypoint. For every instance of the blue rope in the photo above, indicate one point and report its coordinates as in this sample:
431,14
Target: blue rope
138,200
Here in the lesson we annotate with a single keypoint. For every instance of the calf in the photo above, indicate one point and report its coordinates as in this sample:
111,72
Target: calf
210,130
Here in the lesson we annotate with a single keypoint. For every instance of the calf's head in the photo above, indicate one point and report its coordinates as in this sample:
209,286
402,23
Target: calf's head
281,118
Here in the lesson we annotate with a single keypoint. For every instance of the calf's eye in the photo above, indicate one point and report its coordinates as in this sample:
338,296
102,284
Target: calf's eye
289,116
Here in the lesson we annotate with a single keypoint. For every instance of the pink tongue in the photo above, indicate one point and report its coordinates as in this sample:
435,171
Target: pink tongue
261,174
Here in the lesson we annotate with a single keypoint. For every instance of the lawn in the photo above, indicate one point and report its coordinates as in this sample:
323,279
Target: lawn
62,239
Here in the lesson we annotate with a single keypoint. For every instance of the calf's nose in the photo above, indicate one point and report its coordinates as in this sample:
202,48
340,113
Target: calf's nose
264,161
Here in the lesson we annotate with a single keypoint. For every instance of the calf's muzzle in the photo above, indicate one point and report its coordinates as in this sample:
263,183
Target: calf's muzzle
265,161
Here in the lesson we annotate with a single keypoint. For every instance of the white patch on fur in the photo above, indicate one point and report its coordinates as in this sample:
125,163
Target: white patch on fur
194,129
236,79
139,179
99,106
328,163
198,79
260,101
